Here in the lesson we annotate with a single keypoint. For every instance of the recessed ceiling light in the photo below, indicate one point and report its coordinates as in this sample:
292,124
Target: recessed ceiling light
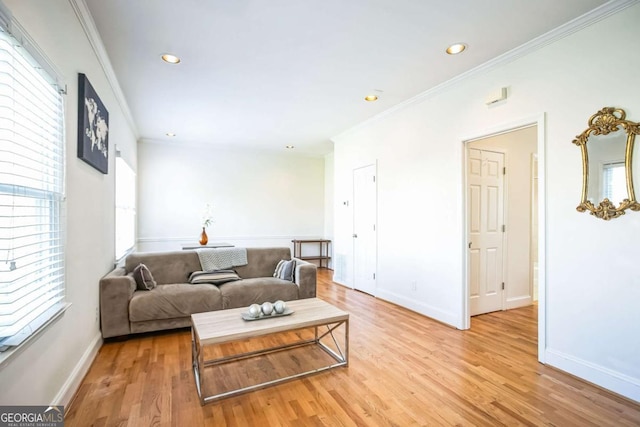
290,147
456,48
171,134
171,59
371,98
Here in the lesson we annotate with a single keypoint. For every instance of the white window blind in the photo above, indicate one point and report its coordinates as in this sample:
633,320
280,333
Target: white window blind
125,208
32,274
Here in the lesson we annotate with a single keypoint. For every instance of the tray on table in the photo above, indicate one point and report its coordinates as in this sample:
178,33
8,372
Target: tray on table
286,312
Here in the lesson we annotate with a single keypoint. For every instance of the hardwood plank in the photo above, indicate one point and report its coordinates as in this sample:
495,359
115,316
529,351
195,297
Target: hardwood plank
404,369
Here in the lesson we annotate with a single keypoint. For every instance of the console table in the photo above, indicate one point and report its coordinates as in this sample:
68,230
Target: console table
210,245
323,250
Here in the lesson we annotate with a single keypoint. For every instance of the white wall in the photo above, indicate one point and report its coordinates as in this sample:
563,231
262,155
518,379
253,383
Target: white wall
518,147
49,368
258,198
592,286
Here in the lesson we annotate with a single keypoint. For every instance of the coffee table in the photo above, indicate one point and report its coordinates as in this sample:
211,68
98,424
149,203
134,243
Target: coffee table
225,326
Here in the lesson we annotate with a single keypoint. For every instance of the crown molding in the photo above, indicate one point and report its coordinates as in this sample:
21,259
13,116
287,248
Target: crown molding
610,8
88,25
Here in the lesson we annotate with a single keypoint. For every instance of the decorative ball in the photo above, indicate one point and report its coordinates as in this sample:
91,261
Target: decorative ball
279,306
267,308
254,310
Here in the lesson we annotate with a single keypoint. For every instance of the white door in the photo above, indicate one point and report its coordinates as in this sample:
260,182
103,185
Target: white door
364,229
485,171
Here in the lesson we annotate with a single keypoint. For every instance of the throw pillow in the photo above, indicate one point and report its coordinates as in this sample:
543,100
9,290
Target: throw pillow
285,270
215,277
144,279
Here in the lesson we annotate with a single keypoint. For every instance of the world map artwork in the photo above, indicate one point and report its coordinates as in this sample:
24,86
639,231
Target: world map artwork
98,127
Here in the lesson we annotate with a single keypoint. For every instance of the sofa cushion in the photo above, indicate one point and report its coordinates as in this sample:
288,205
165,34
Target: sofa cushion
143,277
173,301
217,277
167,267
245,292
285,270
261,262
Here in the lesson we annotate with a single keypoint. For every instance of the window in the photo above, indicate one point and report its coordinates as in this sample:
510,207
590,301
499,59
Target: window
32,271
125,208
614,182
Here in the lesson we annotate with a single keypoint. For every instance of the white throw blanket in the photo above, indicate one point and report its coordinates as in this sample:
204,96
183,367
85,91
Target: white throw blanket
221,258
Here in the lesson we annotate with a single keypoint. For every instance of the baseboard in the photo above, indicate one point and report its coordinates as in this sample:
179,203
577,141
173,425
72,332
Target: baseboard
424,309
69,388
341,284
518,302
616,382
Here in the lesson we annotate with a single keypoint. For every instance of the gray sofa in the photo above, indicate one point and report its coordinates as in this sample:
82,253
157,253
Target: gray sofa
125,310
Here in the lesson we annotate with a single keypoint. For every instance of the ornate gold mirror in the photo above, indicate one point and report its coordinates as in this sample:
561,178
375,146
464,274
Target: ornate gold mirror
607,164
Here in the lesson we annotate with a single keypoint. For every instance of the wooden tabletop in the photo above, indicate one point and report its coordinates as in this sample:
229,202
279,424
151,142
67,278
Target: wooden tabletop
220,326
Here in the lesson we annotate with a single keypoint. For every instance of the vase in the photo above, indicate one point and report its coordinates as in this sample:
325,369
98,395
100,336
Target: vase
203,237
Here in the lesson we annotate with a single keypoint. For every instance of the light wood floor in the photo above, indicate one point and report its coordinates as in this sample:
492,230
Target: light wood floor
404,370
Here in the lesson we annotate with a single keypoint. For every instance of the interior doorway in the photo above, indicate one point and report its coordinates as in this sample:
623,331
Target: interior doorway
536,122
501,236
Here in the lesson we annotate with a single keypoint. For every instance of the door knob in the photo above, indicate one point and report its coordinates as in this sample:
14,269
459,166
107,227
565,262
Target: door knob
355,235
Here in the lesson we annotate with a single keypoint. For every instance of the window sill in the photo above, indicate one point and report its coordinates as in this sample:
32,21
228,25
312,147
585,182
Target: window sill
8,355
120,261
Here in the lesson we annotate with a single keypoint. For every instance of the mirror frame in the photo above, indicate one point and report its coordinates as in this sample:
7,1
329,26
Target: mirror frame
604,122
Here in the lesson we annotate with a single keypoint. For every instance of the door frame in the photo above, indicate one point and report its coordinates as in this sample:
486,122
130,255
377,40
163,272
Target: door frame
353,224
539,121
505,211
532,273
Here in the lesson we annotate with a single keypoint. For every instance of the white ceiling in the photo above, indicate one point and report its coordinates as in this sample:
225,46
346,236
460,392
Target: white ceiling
268,73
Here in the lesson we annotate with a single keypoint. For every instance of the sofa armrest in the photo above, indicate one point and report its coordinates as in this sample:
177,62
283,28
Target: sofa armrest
305,278
116,290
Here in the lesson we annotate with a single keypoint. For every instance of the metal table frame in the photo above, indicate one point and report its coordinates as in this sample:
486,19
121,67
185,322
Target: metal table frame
341,357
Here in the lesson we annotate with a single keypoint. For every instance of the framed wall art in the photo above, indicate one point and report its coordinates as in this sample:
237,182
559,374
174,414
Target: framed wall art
93,127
